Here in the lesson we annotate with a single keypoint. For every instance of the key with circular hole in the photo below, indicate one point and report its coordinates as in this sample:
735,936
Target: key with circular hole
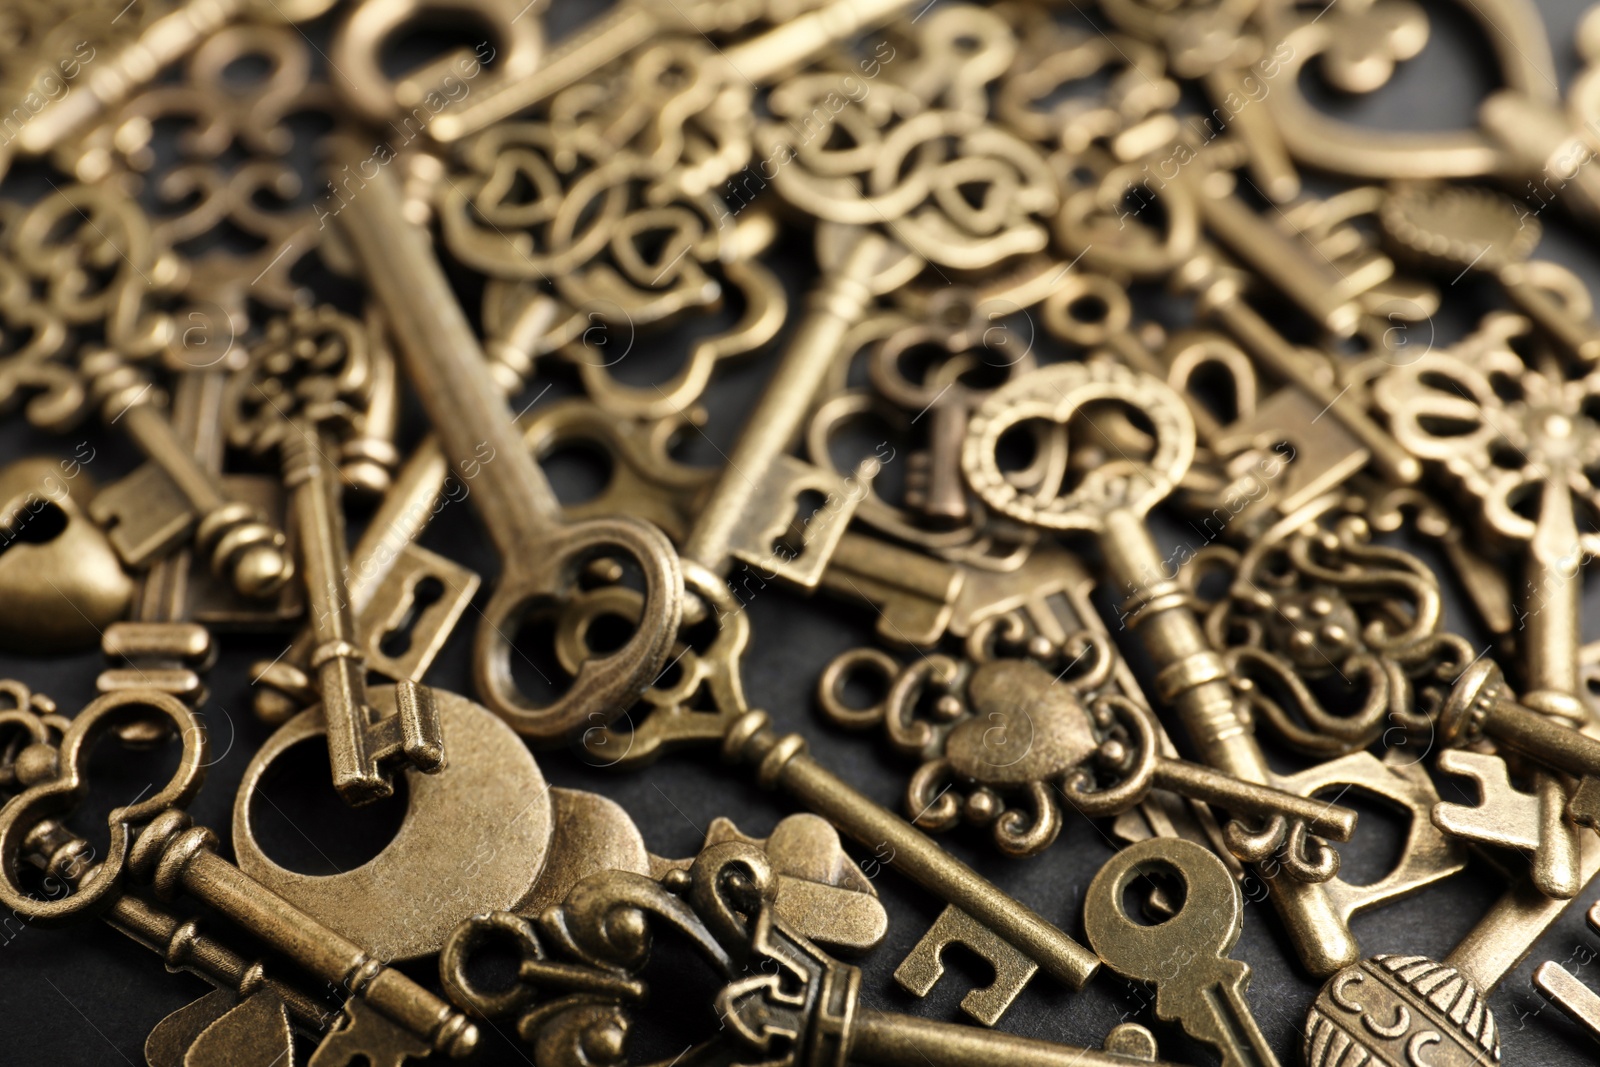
298,395
154,841
1186,956
541,556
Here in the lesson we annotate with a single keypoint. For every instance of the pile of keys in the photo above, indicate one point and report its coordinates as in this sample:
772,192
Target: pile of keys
1191,462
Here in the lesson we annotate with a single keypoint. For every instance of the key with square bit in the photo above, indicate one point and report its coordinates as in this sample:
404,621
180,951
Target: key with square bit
296,395
542,557
1186,956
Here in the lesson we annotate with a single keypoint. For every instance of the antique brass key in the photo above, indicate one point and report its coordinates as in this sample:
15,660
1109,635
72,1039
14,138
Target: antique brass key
1186,956
541,557
301,385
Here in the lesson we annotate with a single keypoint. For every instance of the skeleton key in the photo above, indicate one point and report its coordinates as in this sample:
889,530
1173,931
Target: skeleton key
114,79
1010,733
1089,225
1111,502
388,565
1561,987
58,851
540,555
1394,1008
297,394
1186,956
1447,408
1455,229
155,841
636,22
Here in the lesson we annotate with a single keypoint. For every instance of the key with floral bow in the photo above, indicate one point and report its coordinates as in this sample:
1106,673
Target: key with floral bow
1450,407
297,396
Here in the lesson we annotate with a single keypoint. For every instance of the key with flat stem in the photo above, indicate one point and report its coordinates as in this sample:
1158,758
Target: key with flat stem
541,556
634,22
1186,956
297,395
1563,989
1430,402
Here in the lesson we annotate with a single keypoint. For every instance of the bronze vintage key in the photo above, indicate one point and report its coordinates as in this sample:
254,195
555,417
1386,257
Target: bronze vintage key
1450,408
297,395
155,840
540,555
1185,956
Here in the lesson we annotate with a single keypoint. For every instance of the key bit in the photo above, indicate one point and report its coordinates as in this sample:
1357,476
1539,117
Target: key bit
1563,989
1504,815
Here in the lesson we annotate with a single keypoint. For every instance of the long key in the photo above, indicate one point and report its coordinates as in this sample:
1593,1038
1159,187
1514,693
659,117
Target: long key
1111,503
824,1012
1560,987
300,385
634,22
541,556
1461,386
1184,957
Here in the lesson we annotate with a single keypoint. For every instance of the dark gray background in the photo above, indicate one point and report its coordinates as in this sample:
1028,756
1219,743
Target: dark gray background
84,995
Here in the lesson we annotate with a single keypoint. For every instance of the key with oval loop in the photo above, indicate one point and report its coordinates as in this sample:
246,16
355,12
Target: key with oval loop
1186,956
154,841
298,395
1110,502
1448,409
541,556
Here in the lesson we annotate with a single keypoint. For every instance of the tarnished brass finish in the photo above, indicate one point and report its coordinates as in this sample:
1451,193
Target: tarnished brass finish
540,556
1563,989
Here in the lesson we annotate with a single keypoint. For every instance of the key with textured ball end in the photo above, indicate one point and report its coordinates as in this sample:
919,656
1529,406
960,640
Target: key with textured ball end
1186,956
1402,1008
542,557
1561,987
297,395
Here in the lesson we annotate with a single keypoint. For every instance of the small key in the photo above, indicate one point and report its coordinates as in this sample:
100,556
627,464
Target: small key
113,78
1186,956
297,395
635,22
1011,735
155,841
541,556
1563,989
